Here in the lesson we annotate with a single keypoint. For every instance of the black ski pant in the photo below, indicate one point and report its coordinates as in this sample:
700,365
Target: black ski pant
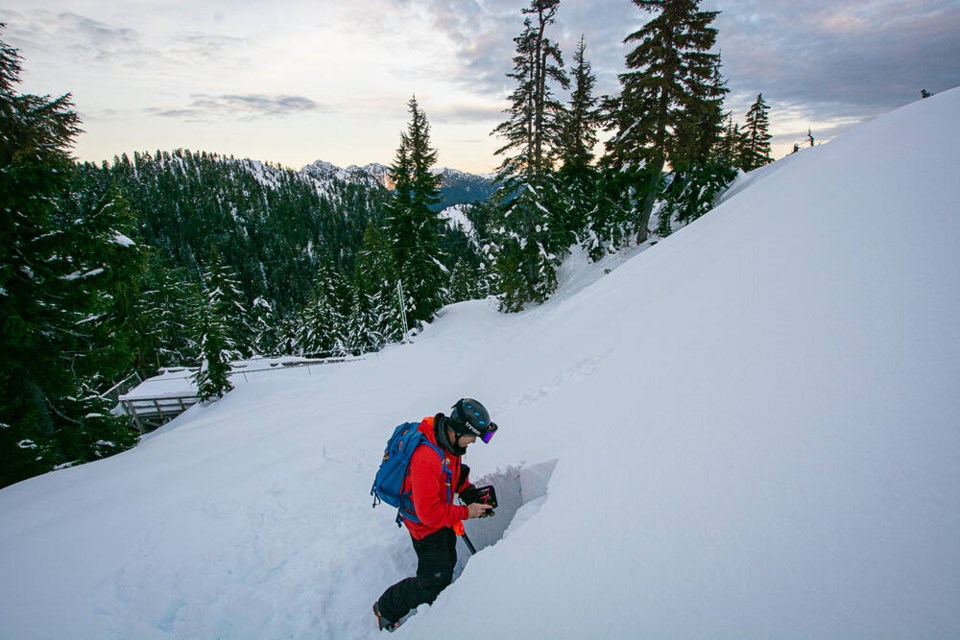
436,558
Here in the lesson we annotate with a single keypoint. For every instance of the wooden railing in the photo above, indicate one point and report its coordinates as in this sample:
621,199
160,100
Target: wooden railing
113,393
150,413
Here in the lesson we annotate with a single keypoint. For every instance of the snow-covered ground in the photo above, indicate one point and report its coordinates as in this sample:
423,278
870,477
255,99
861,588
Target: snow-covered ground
179,381
753,429
456,218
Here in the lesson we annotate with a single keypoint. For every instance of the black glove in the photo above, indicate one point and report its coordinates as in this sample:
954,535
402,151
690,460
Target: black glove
470,495
483,495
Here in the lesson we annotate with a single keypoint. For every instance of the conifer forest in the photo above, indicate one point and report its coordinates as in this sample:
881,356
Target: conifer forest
186,258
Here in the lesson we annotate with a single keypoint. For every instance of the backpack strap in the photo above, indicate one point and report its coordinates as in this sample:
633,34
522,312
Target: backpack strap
406,500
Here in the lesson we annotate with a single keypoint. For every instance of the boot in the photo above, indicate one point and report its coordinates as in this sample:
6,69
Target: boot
382,622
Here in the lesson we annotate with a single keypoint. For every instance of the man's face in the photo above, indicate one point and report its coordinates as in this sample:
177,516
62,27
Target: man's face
463,441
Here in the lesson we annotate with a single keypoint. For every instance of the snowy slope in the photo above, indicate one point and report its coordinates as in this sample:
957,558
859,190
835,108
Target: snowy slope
754,423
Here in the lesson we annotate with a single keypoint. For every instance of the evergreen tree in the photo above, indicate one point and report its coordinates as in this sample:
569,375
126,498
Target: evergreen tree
361,335
693,193
701,166
609,223
730,145
265,327
216,353
671,83
376,281
223,285
697,136
98,223
218,345
413,224
273,225
578,137
169,316
756,150
55,283
529,236
323,325
467,281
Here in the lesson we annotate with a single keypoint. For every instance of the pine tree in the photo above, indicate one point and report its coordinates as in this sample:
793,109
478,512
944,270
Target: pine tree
222,283
361,335
729,146
97,222
671,79
216,353
56,279
701,165
376,281
323,323
265,326
218,345
466,281
168,313
578,137
413,224
756,150
528,235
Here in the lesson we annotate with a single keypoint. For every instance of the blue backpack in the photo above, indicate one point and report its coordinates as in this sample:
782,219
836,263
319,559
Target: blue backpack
388,484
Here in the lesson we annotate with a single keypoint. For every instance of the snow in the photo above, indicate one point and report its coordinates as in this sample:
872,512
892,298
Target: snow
456,218
122,240
78,275
179,381
751,427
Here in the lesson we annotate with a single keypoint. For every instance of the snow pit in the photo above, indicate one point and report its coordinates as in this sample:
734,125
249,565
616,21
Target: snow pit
521,491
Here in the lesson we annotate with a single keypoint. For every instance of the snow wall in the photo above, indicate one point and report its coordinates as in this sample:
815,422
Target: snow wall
521,491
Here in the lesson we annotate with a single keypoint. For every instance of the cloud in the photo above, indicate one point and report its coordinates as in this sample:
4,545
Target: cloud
205,108
841,59
106,46
481,34
84,39
213,49
467,113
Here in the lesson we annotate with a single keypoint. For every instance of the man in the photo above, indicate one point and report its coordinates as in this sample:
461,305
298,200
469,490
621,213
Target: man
432,482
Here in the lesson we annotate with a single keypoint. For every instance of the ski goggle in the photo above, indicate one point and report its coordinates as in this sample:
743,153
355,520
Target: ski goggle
486,436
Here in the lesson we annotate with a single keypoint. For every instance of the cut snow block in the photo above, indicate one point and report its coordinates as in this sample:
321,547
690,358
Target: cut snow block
516,486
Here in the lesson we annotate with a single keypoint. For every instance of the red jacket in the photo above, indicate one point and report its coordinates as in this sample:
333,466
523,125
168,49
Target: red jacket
433,484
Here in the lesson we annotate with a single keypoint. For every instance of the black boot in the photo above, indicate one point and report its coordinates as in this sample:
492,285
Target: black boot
382,622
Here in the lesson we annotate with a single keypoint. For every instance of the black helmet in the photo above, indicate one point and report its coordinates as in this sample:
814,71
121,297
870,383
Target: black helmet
470,418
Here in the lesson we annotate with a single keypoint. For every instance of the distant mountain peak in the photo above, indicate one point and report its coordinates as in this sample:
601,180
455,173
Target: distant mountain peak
456,186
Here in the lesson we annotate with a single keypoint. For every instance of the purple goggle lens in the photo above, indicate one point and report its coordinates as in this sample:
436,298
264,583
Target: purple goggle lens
488,436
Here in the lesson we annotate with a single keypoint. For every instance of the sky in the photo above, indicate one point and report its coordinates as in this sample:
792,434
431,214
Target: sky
291,82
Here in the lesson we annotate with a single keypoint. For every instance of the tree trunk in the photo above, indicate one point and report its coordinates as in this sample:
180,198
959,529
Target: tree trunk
649,200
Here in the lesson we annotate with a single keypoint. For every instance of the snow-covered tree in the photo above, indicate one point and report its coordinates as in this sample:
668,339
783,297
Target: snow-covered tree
376,281
671,79
265,327
756,148
169,314
360,333
217,351
60,279
413,224
224,290
323,324
218,322
528,235
578,137
701,163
